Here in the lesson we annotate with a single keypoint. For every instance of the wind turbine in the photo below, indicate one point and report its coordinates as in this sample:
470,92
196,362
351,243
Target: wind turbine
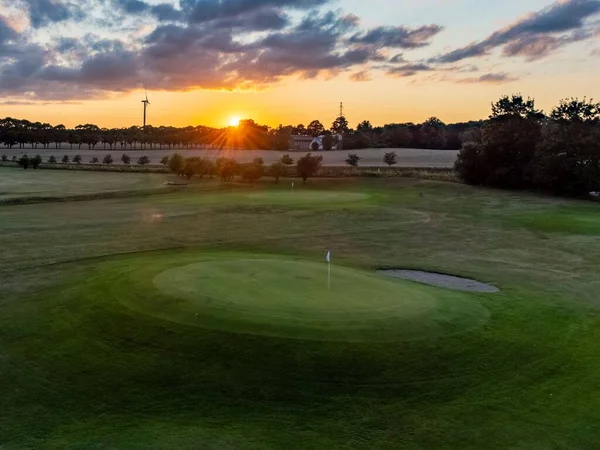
146,103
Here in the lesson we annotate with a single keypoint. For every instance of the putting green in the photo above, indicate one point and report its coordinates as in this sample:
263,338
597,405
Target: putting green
284,297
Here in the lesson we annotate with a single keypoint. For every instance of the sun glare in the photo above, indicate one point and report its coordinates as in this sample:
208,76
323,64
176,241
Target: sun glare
234,121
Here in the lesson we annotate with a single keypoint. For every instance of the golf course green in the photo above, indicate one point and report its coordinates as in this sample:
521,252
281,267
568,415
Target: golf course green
284,297
204,318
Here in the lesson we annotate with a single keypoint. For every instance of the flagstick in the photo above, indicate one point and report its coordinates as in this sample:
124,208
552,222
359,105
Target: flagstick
329,275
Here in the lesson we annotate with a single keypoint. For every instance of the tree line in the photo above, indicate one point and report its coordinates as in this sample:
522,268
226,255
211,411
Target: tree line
520,147
431,134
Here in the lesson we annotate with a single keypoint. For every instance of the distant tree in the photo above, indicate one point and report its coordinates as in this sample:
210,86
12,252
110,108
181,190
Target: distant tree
227,168
340,126
353,159
4,158
126,159
65,159
327,142
314,147
24,162
567,158
143,161
391,159
277,170
308,166
94,160
108,159
364,127
252,172
14,158
573,111
176,164
287,160
471,135
259,161
77,159
504,156
515,107
165,161
434,122
315,128
36,161
52,160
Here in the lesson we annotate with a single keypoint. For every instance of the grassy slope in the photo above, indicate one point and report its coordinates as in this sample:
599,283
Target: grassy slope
18,183
94,374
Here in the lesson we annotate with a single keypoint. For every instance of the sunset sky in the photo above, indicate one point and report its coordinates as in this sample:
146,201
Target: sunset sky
290,61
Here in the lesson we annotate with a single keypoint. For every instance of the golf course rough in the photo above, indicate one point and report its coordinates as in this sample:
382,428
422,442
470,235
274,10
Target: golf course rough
285,297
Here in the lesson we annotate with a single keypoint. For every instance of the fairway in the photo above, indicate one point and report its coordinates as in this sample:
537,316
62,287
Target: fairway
203,318
17,183
306,196
285,297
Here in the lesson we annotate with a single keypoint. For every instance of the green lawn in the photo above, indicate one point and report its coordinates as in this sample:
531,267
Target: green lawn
100,345
28,184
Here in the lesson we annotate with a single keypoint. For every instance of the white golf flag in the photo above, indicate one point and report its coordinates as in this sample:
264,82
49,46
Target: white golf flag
328,257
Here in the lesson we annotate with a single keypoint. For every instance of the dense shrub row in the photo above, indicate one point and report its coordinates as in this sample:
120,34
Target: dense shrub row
521,148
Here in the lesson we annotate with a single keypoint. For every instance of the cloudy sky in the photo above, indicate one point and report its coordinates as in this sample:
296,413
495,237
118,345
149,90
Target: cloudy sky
290,61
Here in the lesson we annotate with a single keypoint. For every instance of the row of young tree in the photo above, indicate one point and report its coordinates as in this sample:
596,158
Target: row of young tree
25,161
522,148
432,134
228,168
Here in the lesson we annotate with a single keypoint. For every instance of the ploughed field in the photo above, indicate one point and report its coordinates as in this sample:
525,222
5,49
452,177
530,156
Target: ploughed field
208,318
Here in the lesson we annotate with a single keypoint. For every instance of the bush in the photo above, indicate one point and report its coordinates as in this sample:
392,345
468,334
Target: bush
287,160
126,159
143,161
227,168
108,159
277,170
567,159
24,162
504,157
469,161
77,159
259,161
52,160
314,147
175,164
4,158
353,160
252,172
65,159
165,161
14,158
391,159
308,166
94,160
35,161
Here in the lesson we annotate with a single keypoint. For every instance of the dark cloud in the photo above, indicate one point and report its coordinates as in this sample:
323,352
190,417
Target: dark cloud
397,37
408,70
537,32
214,47
200,11
45,12
489,78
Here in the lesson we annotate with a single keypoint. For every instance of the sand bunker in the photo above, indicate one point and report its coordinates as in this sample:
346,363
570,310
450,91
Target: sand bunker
439,280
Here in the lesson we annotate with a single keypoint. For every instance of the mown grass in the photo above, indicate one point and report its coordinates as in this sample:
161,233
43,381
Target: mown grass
82,370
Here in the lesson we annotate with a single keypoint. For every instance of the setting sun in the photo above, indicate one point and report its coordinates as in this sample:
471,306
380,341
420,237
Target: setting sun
234,121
